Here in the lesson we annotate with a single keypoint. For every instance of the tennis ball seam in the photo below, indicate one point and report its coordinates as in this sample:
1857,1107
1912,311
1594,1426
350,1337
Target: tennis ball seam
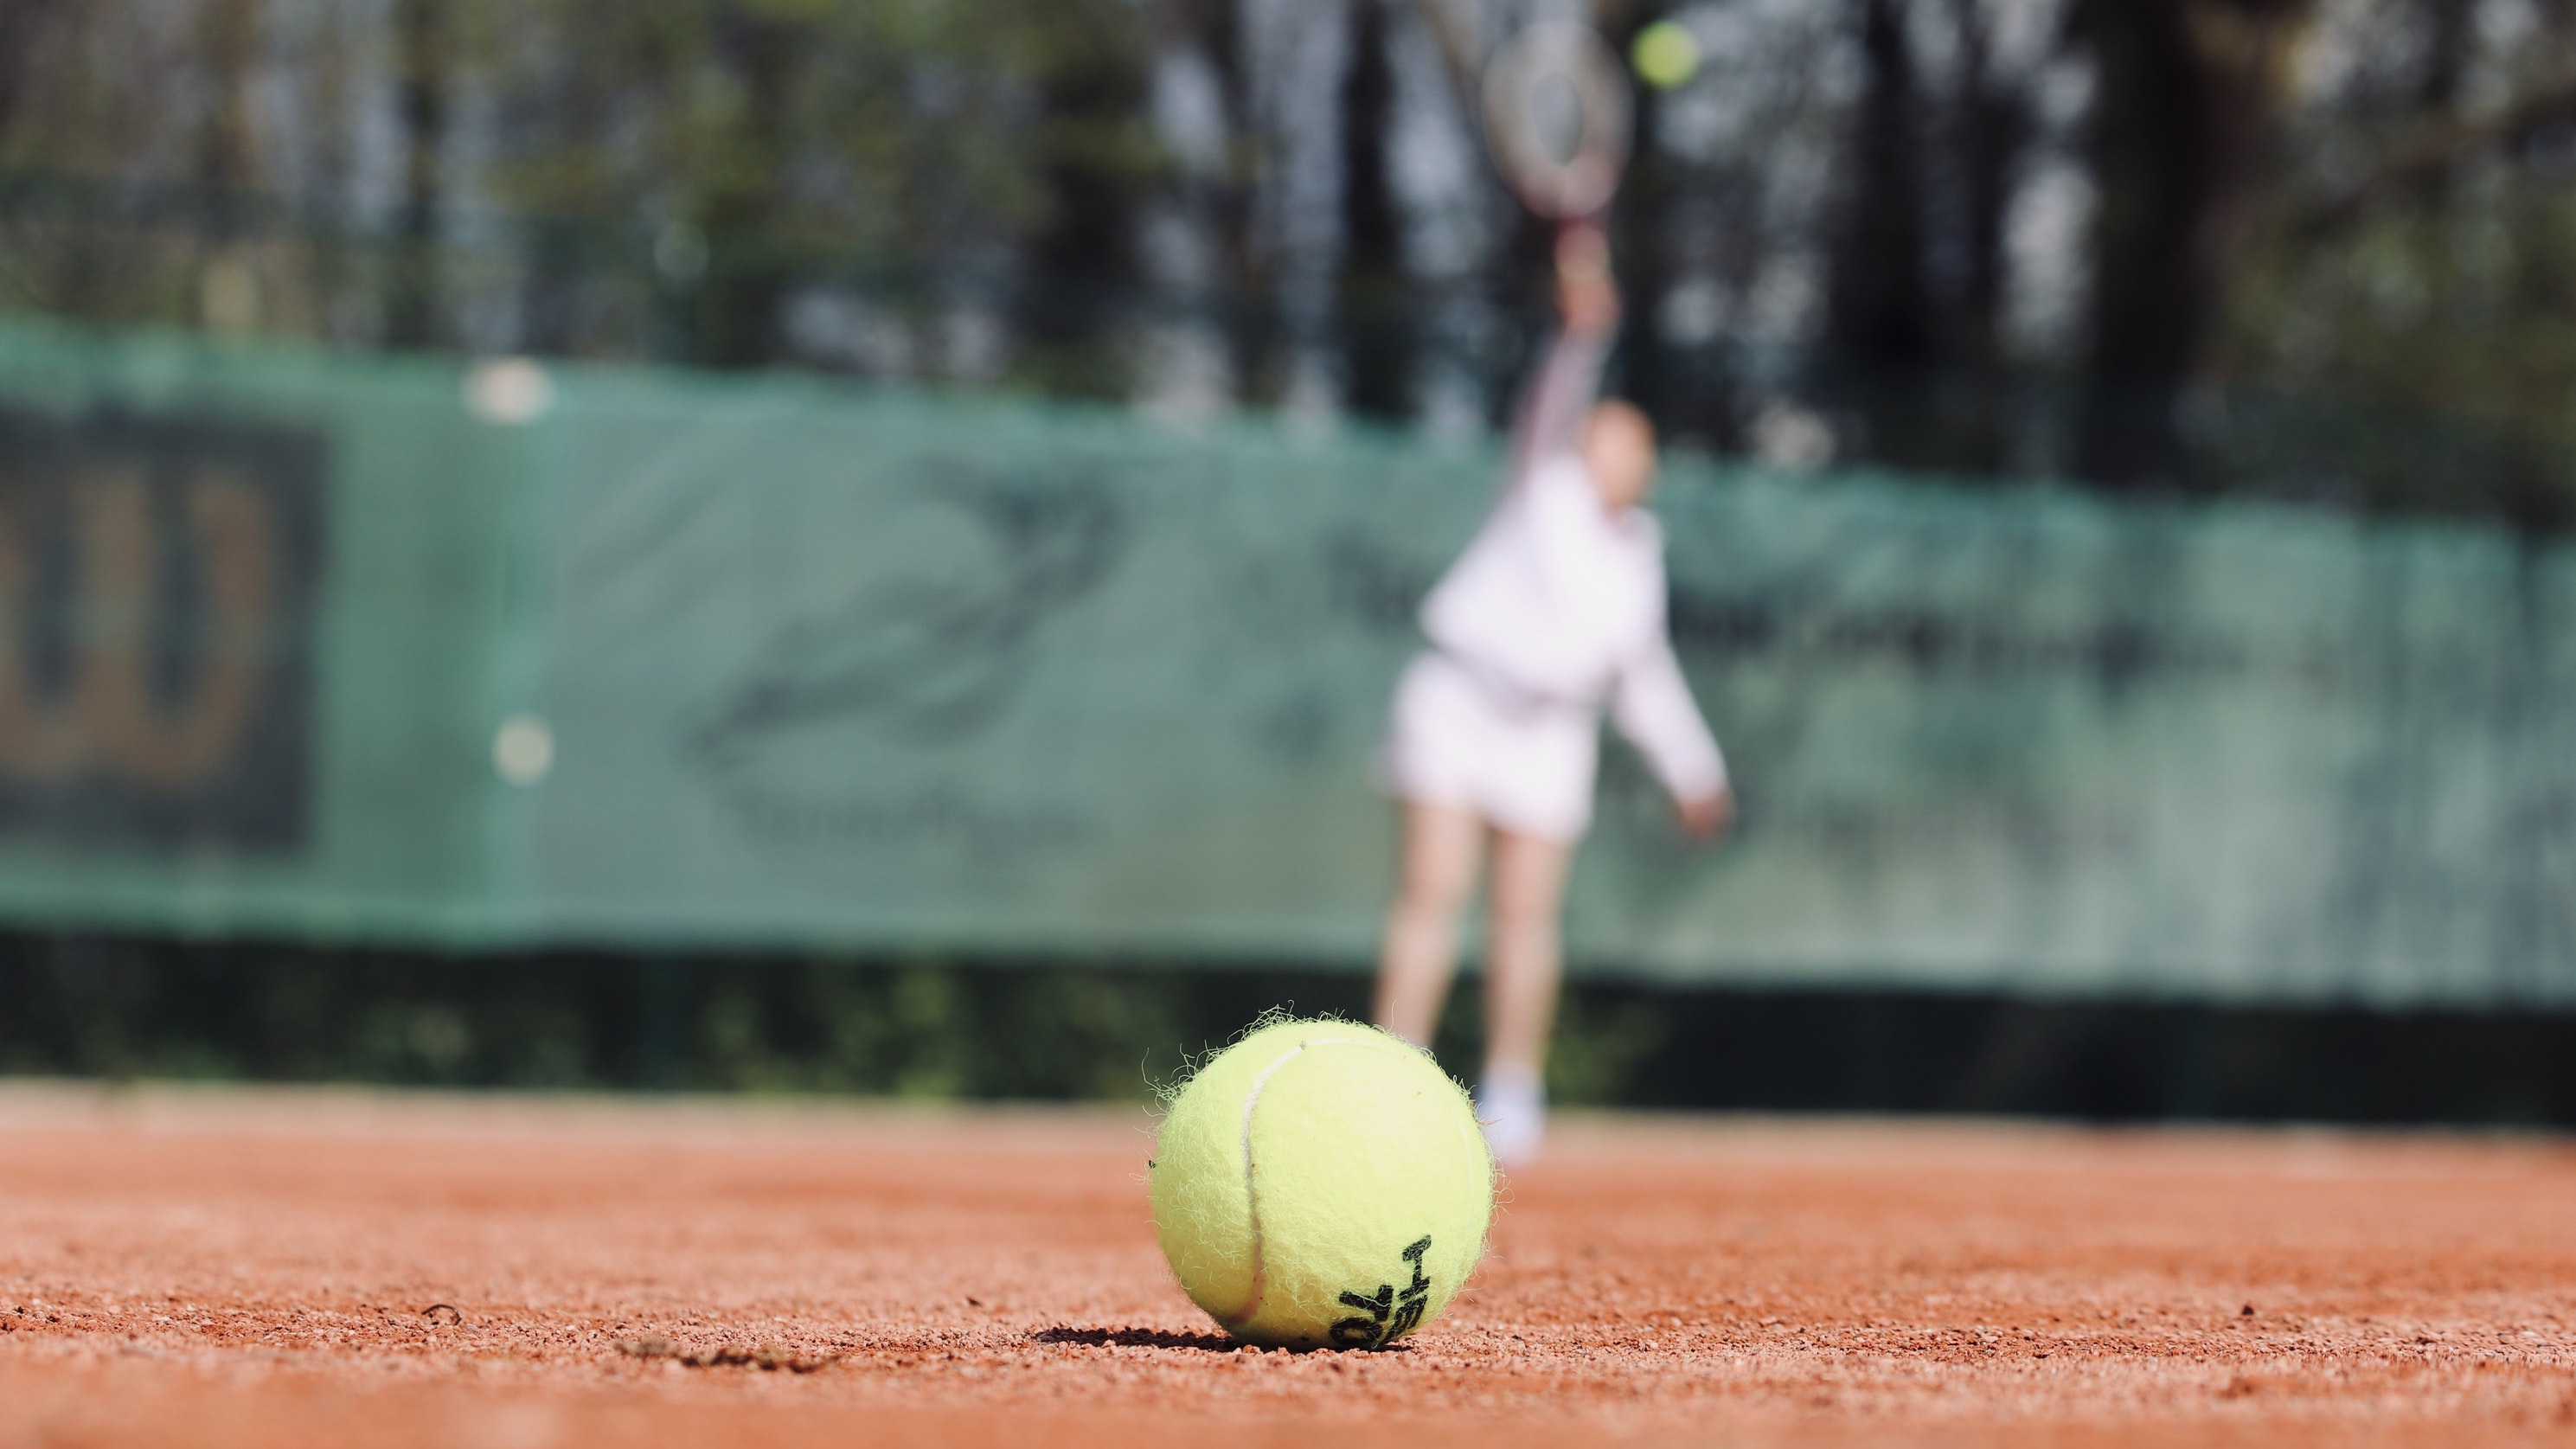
1251,1196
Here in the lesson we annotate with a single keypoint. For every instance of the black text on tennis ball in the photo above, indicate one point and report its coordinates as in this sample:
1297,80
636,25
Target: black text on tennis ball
1321,1185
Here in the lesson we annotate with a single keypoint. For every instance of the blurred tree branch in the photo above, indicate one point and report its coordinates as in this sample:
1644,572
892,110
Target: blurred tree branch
1455,35
2432,151
424,75
23,24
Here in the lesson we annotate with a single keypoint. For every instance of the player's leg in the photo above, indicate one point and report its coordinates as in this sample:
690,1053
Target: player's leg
1524,960
1420,951
1525,956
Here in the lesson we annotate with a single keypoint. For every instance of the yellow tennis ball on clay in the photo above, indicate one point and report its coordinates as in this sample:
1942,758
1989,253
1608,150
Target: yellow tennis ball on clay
1321,1185
1666,54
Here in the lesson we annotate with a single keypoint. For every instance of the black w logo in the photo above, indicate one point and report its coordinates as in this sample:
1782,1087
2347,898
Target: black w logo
1390,1316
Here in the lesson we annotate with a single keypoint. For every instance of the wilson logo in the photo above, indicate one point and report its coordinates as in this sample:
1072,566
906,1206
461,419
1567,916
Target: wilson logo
1386,1315
157,581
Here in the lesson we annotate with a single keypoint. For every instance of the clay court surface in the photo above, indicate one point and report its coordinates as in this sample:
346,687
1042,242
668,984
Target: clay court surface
291,1268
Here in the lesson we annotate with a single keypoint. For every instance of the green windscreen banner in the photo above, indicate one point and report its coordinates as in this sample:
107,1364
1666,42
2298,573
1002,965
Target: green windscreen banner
415,652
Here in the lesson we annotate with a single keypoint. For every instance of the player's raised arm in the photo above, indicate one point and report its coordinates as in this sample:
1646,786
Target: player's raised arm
1552,412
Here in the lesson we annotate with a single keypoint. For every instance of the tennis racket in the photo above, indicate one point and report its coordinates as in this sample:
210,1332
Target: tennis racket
1555,105
1557,116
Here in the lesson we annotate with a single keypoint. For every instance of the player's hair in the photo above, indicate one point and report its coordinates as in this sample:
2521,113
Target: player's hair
1623,408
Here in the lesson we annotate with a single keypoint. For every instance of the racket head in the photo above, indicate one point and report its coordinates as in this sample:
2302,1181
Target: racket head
1558,118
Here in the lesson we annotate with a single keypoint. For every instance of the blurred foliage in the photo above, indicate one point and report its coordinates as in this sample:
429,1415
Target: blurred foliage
2319,249
924,1030
116,1007
123,1009
2396,330
772,141
594,172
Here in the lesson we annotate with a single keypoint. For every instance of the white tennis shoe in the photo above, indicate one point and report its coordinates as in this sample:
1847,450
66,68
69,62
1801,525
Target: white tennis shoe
1511,1105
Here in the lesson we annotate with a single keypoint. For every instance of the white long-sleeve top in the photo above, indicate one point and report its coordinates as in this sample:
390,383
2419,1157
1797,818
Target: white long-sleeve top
1560,599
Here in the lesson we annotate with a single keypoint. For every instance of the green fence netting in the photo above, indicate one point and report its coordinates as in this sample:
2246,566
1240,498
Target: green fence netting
782,663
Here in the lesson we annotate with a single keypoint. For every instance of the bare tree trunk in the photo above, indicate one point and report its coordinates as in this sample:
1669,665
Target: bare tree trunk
1879,308
421,94
23,24
739,305
579,90
1881,331
1083,271
1248,302
1993,131
2446,56
334,165
2446,53
2185,90
228,281
1989,132
1373,299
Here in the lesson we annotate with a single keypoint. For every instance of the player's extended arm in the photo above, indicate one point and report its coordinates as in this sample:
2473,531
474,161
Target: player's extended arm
1652,706
1552,412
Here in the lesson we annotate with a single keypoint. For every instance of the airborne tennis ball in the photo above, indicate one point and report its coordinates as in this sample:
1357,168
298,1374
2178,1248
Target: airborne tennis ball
1666,54
1321,1185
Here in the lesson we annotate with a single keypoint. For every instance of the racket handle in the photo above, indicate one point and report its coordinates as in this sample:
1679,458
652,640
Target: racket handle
1582,250
1587,294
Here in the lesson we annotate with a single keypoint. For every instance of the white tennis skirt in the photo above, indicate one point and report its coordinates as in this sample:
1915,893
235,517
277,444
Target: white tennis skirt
1525,764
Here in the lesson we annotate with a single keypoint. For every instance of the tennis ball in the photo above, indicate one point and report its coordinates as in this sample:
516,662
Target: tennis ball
1666,54
1321,1185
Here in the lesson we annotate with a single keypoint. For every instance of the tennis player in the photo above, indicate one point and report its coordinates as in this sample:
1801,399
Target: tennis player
1555,609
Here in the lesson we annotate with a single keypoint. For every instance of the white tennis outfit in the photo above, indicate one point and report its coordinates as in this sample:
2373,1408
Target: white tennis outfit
1555,609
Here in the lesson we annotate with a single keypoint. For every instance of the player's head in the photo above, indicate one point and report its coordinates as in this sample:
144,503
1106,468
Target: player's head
1619,452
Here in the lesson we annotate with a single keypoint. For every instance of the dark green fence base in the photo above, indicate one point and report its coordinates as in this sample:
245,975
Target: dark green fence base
994,1030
